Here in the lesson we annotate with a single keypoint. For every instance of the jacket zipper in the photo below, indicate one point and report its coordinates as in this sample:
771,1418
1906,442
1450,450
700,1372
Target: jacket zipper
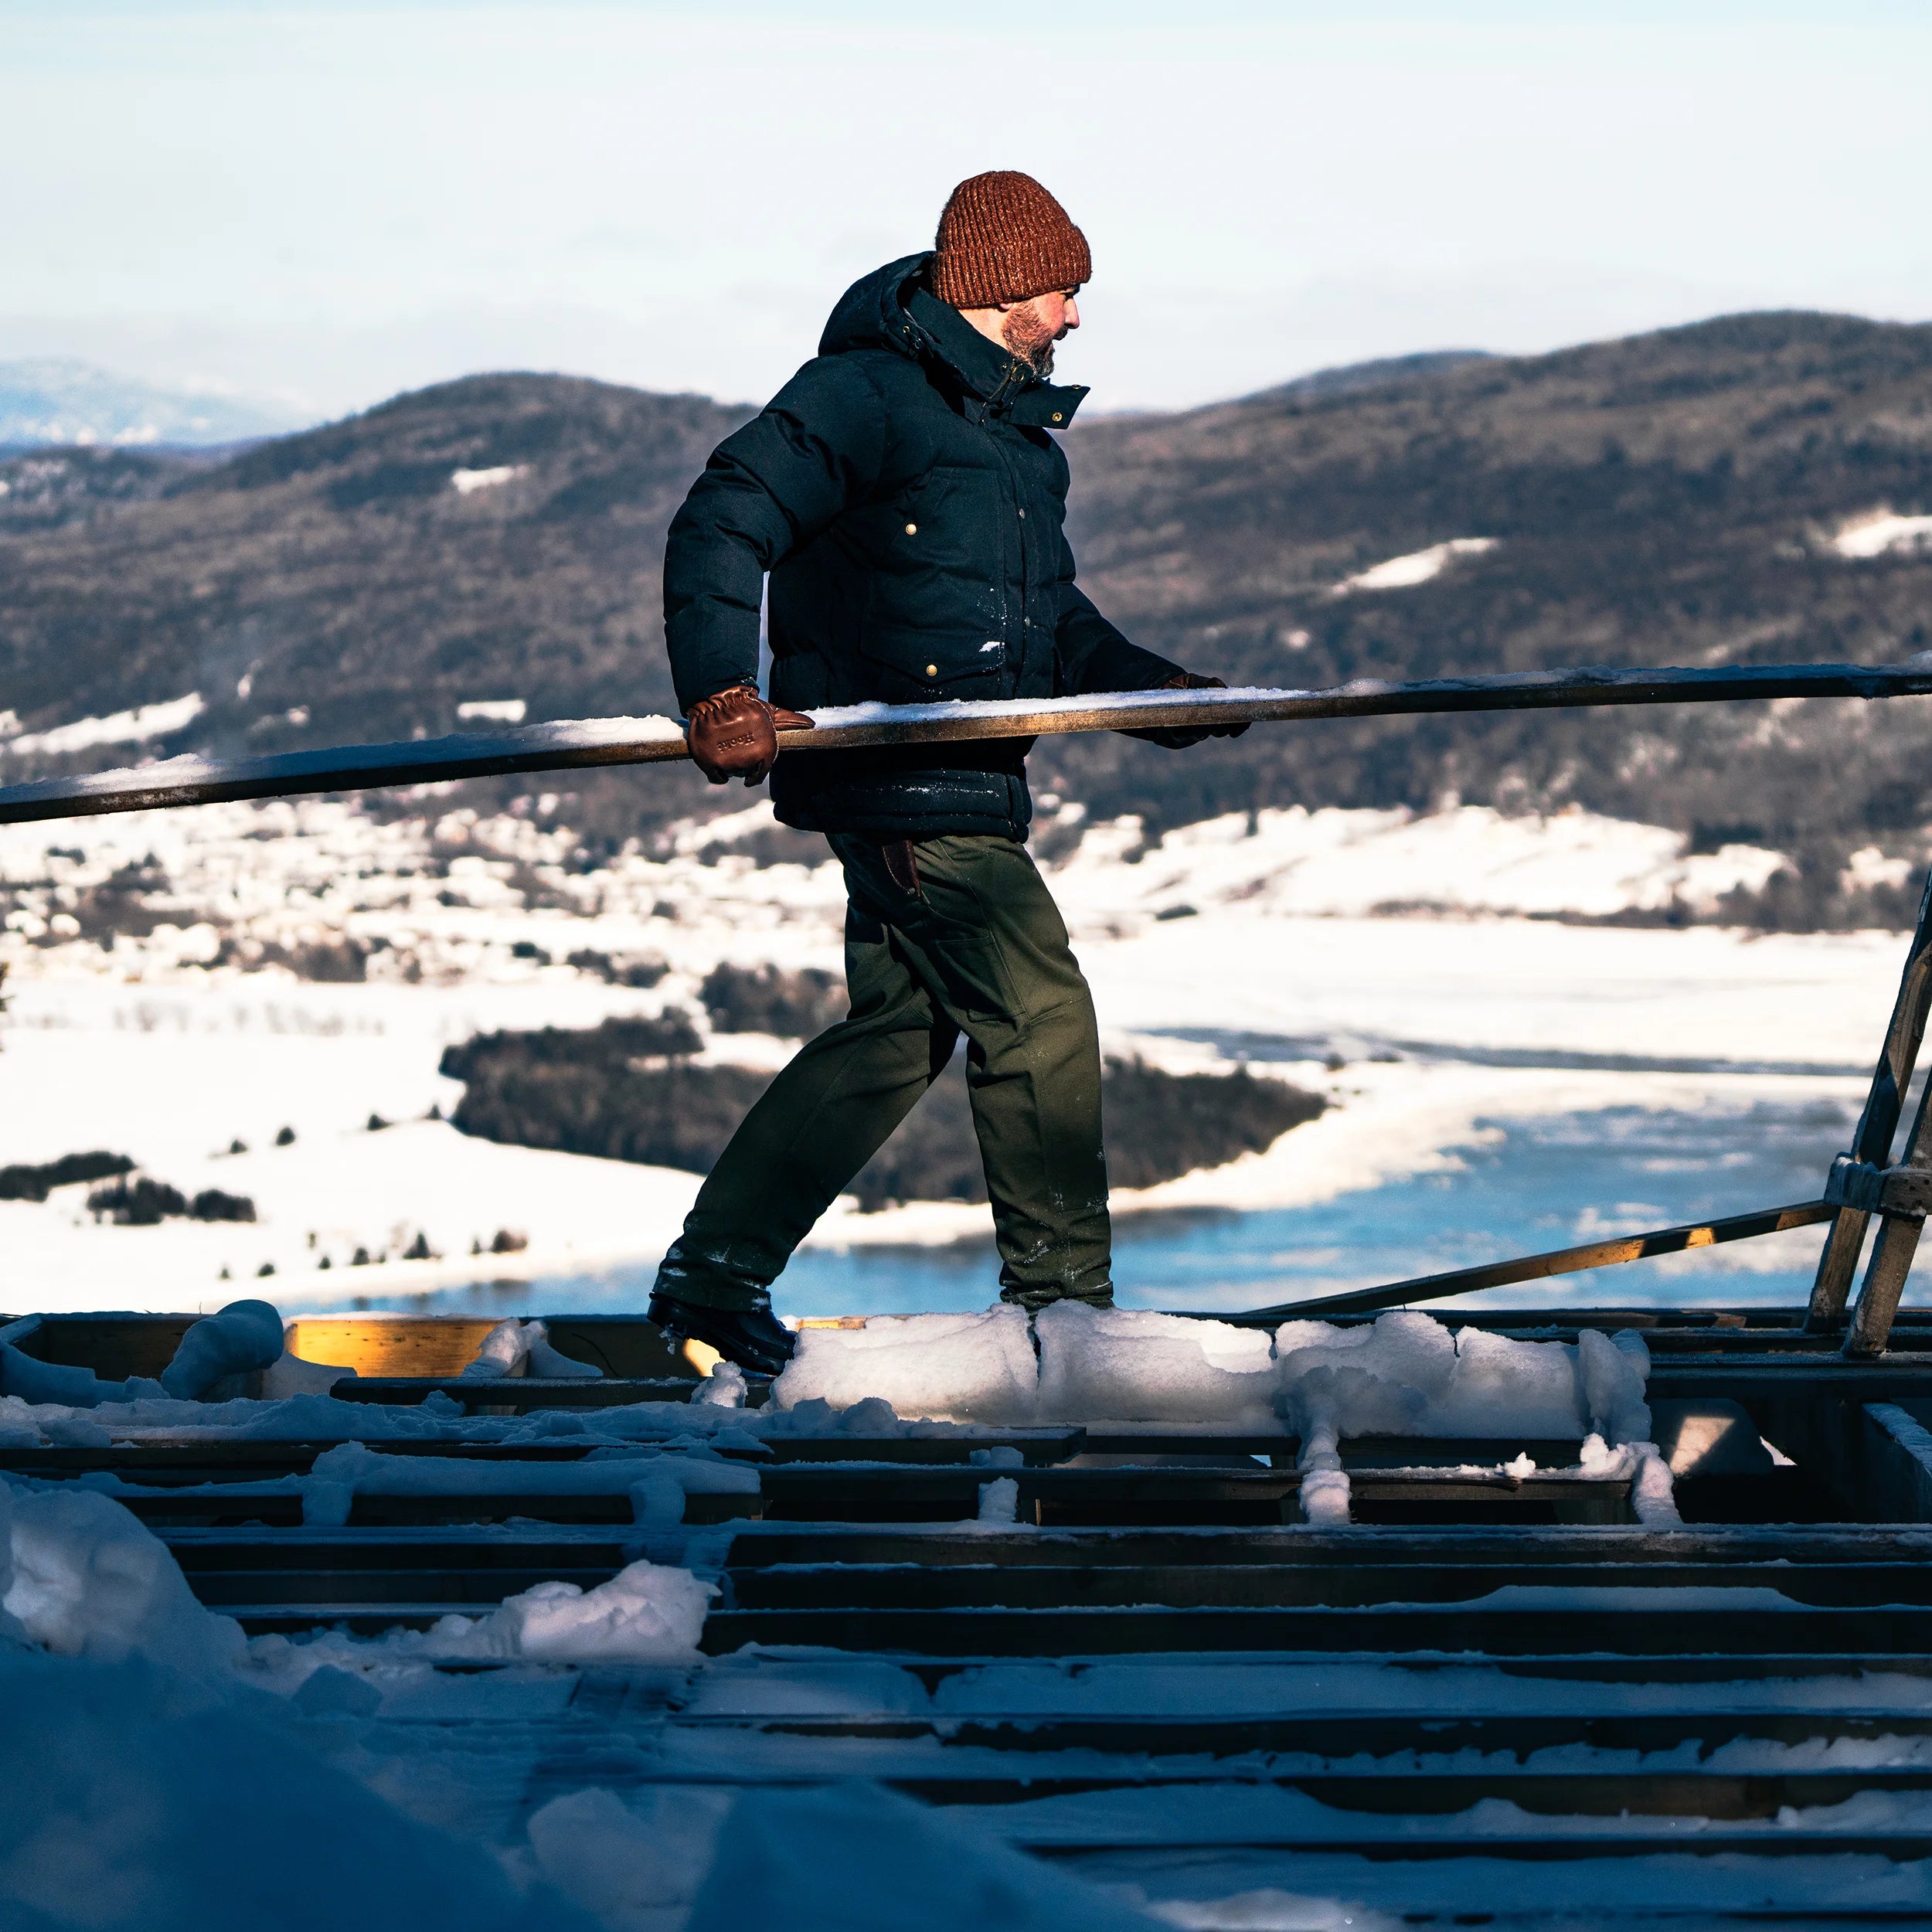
1016,648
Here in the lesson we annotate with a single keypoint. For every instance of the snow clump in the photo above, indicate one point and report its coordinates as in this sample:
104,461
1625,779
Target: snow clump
80,1577
968,1368
1406,1374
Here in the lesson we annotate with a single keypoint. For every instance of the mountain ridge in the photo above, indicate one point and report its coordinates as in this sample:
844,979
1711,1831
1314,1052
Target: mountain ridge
1679,497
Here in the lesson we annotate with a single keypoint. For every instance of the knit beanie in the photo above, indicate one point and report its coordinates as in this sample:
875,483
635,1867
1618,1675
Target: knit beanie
1003,238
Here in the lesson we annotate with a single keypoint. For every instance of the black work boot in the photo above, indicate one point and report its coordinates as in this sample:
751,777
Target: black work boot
754,1339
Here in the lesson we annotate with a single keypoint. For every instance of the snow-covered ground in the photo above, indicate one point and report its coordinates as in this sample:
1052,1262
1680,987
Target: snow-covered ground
1276,938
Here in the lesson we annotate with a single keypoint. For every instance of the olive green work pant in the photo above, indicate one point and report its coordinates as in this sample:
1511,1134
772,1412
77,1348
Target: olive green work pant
978,948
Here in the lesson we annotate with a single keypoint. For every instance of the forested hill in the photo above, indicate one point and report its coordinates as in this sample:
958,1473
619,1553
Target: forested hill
1680,497
1673,498
499,537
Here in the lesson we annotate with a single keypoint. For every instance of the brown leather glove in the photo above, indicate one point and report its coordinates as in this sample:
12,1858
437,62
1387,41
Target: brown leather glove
734,734
1178,738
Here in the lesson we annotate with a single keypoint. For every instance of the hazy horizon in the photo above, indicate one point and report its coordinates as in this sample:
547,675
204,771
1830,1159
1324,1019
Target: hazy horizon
321,205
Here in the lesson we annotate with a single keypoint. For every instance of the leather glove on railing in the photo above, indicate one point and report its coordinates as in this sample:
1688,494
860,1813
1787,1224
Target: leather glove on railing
1179,737
734,734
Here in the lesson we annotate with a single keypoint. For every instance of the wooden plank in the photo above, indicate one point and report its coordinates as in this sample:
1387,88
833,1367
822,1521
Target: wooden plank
1207,1584
1872,1142
1870,1331
1104,1631
1829,1377
578,744
1848,1545
1536,1267
1898,1466
318,1593
148,1461
278,1504
197,1459
391,1345
520,1393
1425,1729
1137,1492
1363,1795
1554,1847
114,1346
626,1346
345,1549
1793,1550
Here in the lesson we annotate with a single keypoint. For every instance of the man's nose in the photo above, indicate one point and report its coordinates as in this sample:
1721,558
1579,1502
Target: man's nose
1073,317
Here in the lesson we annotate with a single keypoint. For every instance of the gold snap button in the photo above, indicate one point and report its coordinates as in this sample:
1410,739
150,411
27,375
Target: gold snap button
912,529
932,670
1056,415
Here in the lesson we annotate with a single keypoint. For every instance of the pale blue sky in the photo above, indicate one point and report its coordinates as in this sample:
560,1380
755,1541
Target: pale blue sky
329,202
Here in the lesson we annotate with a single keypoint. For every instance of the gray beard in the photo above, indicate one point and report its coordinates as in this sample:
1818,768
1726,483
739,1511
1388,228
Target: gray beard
1038,353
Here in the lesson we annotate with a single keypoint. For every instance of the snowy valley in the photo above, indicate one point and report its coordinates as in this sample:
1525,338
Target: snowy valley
255,999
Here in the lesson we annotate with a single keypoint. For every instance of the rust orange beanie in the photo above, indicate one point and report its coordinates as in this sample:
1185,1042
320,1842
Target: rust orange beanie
1003,238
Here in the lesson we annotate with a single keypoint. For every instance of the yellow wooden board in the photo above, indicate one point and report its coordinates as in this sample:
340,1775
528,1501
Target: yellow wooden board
373,1344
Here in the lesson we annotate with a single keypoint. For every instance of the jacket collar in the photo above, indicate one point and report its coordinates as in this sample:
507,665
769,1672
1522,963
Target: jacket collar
1004,384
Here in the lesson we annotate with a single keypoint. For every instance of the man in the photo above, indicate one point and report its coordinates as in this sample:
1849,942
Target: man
906,494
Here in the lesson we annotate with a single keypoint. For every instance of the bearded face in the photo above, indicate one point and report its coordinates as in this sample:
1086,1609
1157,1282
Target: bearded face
1028,337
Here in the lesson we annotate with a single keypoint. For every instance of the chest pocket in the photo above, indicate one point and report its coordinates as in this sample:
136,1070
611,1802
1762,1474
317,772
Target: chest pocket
942,601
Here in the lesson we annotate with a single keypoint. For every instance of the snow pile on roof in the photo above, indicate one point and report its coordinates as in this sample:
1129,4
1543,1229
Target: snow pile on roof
513,1346
1418,566
1880,532
964,1368
859,1856
1406,1374
26,1381
134,1803
244,1336
148,1783
656,1483
80,1577
646,1613
30,1420
1100,1364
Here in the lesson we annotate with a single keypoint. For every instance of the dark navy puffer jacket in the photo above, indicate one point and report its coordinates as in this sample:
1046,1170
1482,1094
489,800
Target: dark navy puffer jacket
906,494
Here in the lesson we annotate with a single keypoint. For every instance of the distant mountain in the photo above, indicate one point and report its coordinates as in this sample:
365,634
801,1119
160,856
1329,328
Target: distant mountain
1752,489
1352,376
493,539
57,401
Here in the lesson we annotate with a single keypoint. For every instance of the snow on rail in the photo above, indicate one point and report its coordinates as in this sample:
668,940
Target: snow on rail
571,744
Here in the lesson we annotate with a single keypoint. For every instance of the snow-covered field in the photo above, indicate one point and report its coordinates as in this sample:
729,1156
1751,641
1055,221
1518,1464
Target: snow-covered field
1400,947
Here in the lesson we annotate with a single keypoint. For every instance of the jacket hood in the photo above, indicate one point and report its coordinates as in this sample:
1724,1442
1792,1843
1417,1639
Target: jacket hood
871,313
